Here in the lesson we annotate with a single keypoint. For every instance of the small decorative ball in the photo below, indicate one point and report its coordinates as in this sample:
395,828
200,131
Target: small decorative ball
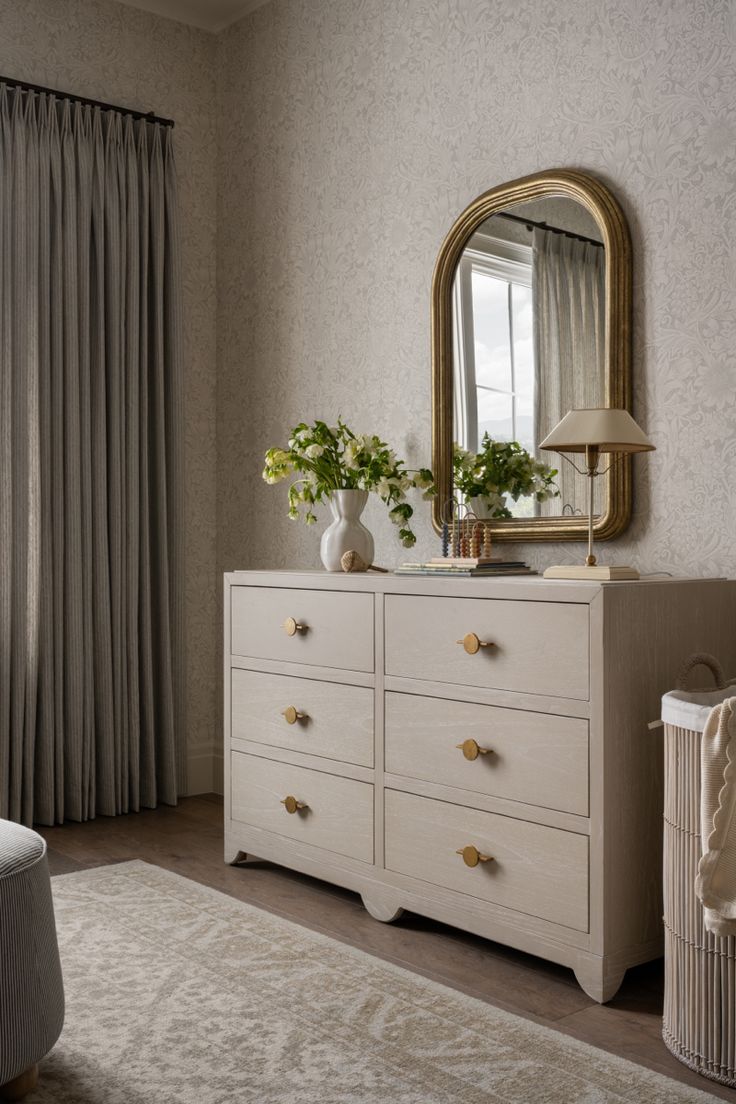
352,561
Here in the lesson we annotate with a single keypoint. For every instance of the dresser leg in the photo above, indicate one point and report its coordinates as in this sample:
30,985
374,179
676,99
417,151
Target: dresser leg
382,905
240,858
600,981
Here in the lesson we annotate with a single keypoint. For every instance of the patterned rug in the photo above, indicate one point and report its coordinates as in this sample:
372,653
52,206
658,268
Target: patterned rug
176,992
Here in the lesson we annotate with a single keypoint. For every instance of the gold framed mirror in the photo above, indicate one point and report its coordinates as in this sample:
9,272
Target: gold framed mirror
531,316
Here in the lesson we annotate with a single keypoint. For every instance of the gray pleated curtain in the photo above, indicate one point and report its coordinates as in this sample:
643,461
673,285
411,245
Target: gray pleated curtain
90,463
568,284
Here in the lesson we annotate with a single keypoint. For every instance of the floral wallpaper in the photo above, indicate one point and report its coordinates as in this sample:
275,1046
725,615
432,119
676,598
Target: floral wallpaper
324,149
125,56
352,133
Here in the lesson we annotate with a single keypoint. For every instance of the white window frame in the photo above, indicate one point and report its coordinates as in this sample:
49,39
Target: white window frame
506,261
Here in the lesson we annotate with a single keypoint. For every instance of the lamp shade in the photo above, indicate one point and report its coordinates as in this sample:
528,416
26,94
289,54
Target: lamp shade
608,429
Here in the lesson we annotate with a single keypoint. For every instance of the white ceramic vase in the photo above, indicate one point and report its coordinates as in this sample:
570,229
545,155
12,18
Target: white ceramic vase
480,508
347,531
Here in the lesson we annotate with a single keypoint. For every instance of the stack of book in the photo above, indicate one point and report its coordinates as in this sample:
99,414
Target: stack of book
466,567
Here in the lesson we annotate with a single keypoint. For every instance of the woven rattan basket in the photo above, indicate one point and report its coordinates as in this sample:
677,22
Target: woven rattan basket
699,1025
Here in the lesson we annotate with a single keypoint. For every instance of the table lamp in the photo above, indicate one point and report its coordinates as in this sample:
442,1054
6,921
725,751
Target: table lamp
601,429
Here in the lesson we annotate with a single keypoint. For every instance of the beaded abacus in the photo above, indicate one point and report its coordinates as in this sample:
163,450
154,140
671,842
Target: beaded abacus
464,535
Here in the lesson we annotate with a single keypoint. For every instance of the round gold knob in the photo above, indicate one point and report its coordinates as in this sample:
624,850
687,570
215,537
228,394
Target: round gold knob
292,714
292,627
472,643
471,749
292,805
472,856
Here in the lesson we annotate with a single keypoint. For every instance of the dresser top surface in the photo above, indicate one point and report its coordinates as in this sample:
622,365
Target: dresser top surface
529,588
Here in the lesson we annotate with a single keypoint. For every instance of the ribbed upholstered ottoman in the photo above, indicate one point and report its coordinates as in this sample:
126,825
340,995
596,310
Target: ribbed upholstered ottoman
31,989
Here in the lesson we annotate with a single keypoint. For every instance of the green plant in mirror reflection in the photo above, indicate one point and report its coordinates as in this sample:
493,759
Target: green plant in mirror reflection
501,468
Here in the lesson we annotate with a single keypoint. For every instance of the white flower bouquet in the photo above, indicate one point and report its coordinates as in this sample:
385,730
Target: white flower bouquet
326,459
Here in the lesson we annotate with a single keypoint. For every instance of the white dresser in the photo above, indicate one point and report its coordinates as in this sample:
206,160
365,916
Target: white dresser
474,750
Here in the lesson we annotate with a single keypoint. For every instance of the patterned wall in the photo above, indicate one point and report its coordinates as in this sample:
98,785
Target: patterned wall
122,55
352,134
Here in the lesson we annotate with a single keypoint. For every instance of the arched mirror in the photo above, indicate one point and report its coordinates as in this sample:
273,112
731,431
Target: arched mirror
531,307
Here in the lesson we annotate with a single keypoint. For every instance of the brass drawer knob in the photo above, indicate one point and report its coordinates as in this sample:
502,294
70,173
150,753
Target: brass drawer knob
292,805
292,714
292,627
471,749
472,643
472,856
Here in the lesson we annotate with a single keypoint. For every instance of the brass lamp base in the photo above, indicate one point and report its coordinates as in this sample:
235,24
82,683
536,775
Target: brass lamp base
597,573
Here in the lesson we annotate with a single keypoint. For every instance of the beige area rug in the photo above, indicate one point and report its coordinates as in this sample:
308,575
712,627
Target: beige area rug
176,992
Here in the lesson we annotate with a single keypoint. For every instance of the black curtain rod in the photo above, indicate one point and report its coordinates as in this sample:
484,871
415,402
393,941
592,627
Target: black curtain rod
24,86
529,223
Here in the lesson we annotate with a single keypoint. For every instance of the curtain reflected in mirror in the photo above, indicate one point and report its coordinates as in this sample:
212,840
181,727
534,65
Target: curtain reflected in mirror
529,340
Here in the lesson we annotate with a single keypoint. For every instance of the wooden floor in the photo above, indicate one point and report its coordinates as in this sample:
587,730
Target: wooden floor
188,840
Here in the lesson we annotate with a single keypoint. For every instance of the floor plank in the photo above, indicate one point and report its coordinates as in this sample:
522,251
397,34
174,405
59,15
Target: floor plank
188,840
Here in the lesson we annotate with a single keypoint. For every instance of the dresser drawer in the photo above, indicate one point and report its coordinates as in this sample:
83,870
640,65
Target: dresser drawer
338,813
534,647
534,869
536,758
336,721
335,628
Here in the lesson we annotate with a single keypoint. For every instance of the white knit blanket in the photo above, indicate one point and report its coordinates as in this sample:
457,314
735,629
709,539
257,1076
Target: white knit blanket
716,881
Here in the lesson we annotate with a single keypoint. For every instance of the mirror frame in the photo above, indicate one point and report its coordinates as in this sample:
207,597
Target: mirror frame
604,208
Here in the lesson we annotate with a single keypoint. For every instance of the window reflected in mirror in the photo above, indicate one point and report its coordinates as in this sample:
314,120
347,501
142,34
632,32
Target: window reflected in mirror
529,336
